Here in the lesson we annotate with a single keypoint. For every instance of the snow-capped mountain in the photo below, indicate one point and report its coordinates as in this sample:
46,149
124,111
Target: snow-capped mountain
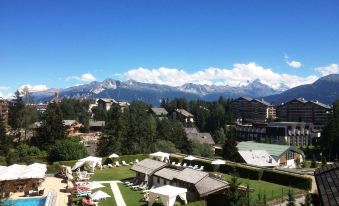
152,93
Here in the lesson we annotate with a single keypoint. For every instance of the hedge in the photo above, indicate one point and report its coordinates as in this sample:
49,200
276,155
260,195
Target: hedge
242,171
287,179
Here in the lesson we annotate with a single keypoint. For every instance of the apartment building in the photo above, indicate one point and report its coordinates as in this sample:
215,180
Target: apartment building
300,110
247,110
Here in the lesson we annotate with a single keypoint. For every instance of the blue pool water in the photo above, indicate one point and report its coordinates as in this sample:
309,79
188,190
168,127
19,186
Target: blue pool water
25,202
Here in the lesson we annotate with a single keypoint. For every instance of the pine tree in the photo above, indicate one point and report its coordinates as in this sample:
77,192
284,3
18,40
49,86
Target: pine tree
291,198
4,139
230,149
15,114
220,136
51,128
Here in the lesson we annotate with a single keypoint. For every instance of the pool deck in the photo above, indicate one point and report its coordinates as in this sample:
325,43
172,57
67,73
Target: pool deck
51,184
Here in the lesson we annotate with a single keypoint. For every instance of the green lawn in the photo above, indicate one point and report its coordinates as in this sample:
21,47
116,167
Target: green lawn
109,201
271,190
111,174
134,198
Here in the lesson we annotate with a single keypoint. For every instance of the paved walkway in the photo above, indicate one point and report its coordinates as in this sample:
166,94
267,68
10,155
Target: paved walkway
116,192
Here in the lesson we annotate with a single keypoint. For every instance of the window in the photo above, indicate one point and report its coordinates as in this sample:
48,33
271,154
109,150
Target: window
158,180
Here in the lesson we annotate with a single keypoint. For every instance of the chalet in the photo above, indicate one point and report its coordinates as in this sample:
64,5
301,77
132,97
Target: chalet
203,138
199,184
158,112
269,155
183,116
72,126
96,125
106,104
327,180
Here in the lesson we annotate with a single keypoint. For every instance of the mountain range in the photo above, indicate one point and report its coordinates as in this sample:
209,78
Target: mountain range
325,89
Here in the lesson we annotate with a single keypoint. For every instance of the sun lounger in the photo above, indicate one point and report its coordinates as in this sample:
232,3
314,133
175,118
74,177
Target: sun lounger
178,164
124,163
136,161
195,167
185,164
144,191
82,193
173,163
137,186
110,165
144,187
201,168
117,164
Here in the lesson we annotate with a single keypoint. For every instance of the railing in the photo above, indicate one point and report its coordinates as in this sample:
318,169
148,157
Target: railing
51,199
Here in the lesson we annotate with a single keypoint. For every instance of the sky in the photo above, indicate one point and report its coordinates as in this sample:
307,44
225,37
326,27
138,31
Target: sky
61,43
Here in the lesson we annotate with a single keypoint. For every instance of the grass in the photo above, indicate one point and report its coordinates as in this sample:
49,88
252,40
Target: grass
134,198
111,174
108,201
271,190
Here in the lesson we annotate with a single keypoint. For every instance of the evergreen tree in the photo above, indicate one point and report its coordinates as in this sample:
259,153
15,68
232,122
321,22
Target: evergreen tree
233,196
114,132
220,136
51,128
291,198
230,149
15,114
5,143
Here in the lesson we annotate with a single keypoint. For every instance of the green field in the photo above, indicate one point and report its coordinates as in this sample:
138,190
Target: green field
115,173
271,190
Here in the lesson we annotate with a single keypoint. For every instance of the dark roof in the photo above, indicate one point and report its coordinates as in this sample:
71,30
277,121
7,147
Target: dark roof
184,112
159,111
246,98
203,138
262,101
209,185
148,166
107,100
167,173
327,179
191,176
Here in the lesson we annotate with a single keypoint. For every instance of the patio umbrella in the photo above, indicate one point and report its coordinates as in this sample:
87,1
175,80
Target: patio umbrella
99,195
160,156
95,185
113,155
190,158
218,162
6,175
32,174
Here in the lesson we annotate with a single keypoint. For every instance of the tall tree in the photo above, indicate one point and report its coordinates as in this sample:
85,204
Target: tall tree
230,149
51,128
233,196
5,142
220,136
15,114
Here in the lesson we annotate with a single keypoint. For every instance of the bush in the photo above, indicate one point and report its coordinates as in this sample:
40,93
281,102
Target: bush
67,150
287,179
3,161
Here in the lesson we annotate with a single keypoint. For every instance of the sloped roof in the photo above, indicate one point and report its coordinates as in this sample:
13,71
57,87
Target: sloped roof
148,166
273,150
107,100
167,173
184,112
327,179
191,130
69,122
262,101
159,111
203,138
258,158
321,104
209,185
246,98
191,175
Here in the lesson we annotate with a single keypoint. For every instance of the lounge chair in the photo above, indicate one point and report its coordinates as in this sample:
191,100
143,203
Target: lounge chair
110,165
178,164
124,163
117,164
144,191
136,161
82,193
185,164
173,163
195,167
201,168
137,186
129,181
144,187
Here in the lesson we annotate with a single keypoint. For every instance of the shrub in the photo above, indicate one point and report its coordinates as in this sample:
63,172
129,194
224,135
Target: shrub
242,171
287,179
67,150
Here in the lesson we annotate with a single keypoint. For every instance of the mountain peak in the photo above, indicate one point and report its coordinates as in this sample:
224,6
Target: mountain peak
329,78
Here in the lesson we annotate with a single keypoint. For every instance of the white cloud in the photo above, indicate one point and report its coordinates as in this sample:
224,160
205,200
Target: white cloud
292,63
4,93
87,77
240,74
34,88
330,69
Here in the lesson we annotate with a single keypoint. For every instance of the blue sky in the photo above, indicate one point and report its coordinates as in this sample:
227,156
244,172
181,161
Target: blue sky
63,43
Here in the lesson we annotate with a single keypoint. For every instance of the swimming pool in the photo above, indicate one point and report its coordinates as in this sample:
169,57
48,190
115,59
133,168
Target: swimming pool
25,202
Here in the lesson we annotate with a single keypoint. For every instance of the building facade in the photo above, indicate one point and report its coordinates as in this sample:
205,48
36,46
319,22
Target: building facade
250,110
300,110
289,133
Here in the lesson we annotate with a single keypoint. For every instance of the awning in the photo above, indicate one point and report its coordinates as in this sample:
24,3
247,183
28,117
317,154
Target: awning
167,195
